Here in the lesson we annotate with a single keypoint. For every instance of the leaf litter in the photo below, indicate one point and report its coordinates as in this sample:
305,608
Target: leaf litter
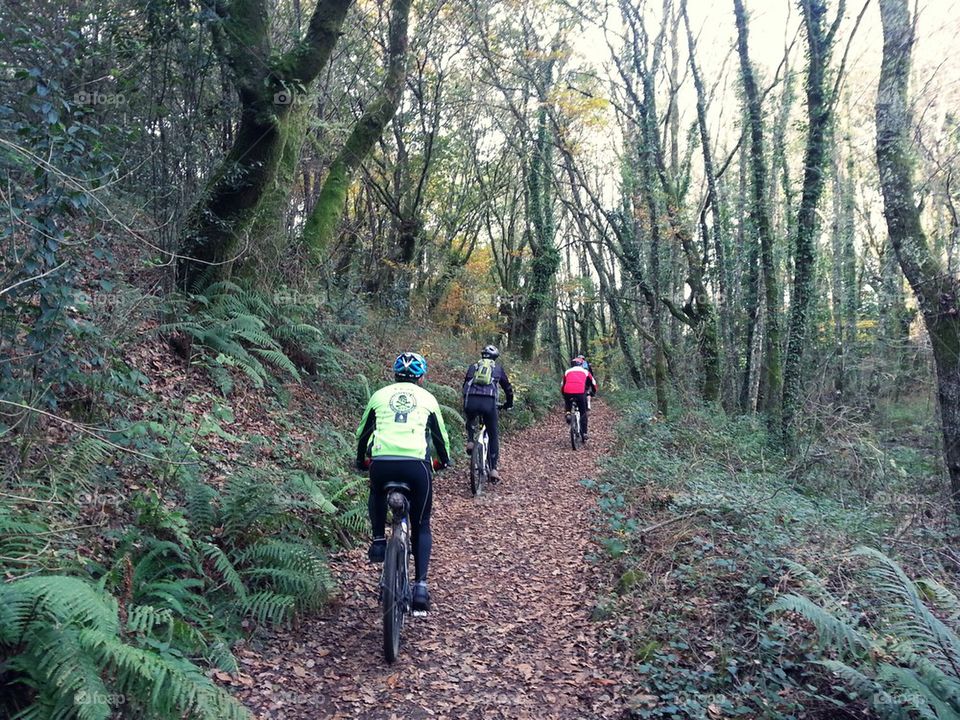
510,633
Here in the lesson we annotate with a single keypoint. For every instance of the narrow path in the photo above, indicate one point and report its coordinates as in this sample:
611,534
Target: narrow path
510,634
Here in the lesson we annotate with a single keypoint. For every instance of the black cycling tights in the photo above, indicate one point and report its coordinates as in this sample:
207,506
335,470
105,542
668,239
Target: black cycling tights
484,406
416,474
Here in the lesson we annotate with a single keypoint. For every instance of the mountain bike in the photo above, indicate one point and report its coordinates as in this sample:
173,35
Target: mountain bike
576,437
479,457
395,588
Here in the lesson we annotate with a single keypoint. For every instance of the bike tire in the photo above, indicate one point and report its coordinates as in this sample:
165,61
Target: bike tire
476,469
393,598
575,431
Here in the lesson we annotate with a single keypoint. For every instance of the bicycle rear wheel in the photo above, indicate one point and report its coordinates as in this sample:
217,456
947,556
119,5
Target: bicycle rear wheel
477,470
575,439
393,598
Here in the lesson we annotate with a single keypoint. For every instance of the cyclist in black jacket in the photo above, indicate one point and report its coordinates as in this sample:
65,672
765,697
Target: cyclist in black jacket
481,400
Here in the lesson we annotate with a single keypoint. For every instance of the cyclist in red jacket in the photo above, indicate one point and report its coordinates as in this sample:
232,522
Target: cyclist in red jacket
578,381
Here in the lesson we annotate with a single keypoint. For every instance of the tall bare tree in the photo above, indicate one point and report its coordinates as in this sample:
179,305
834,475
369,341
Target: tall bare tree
760,224
820,104
935,288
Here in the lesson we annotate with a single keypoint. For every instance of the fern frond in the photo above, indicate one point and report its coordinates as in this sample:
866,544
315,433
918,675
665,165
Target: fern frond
199,498
222,287
831,630
225,568
449,412
145,618
277,358
911,690
53,599
304,483
269,607
354,520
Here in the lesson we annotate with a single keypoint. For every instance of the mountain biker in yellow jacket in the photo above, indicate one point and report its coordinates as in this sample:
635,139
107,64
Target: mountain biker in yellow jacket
401,428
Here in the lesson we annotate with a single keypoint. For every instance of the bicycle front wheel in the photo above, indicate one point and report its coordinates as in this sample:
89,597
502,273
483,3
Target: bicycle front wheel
393,598
476,469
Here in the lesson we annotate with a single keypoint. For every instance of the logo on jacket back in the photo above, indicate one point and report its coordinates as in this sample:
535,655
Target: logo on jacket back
402,403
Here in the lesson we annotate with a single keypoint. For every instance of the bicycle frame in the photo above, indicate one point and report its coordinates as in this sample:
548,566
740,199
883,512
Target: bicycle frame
576,437
395,590
479,462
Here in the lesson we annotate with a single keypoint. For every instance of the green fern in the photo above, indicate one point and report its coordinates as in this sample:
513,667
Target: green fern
269,607
20,536
224,568
239,328
66,654
832,631
198,504
82,461
907,665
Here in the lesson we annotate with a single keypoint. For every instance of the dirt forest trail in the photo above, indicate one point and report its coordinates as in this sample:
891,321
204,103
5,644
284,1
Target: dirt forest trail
509,635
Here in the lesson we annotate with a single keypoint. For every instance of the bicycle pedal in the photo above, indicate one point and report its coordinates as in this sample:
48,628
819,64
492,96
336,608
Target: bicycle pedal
420,613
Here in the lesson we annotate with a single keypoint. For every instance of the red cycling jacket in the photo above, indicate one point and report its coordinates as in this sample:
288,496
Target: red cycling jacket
577,381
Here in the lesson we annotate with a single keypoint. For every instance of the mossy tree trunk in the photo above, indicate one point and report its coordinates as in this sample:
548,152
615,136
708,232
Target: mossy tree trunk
698,312
749,272
216,227
935,288
325,217
845,290
760,223
546,257
268,223
819,113
708,336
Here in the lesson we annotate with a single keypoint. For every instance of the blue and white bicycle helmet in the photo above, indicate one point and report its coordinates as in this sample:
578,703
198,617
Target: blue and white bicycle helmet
410,366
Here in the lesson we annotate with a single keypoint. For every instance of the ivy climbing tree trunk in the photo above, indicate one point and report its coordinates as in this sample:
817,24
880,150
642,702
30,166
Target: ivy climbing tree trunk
698,312
325,216
760,214
217,225
546,257
845,291
935,288
709,342
819,112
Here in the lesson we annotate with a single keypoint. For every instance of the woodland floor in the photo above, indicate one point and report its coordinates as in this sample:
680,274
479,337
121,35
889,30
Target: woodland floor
509,634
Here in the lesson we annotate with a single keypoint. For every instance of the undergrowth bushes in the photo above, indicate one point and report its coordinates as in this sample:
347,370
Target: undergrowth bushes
893,642
136,552
702,526
198,508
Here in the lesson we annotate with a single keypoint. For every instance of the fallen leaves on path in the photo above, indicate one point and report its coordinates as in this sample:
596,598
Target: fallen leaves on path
509,635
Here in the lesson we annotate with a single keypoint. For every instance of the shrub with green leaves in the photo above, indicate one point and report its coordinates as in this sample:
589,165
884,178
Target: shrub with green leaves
693,511
891,640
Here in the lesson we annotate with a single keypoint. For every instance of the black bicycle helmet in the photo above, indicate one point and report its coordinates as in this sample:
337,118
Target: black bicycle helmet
490,352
